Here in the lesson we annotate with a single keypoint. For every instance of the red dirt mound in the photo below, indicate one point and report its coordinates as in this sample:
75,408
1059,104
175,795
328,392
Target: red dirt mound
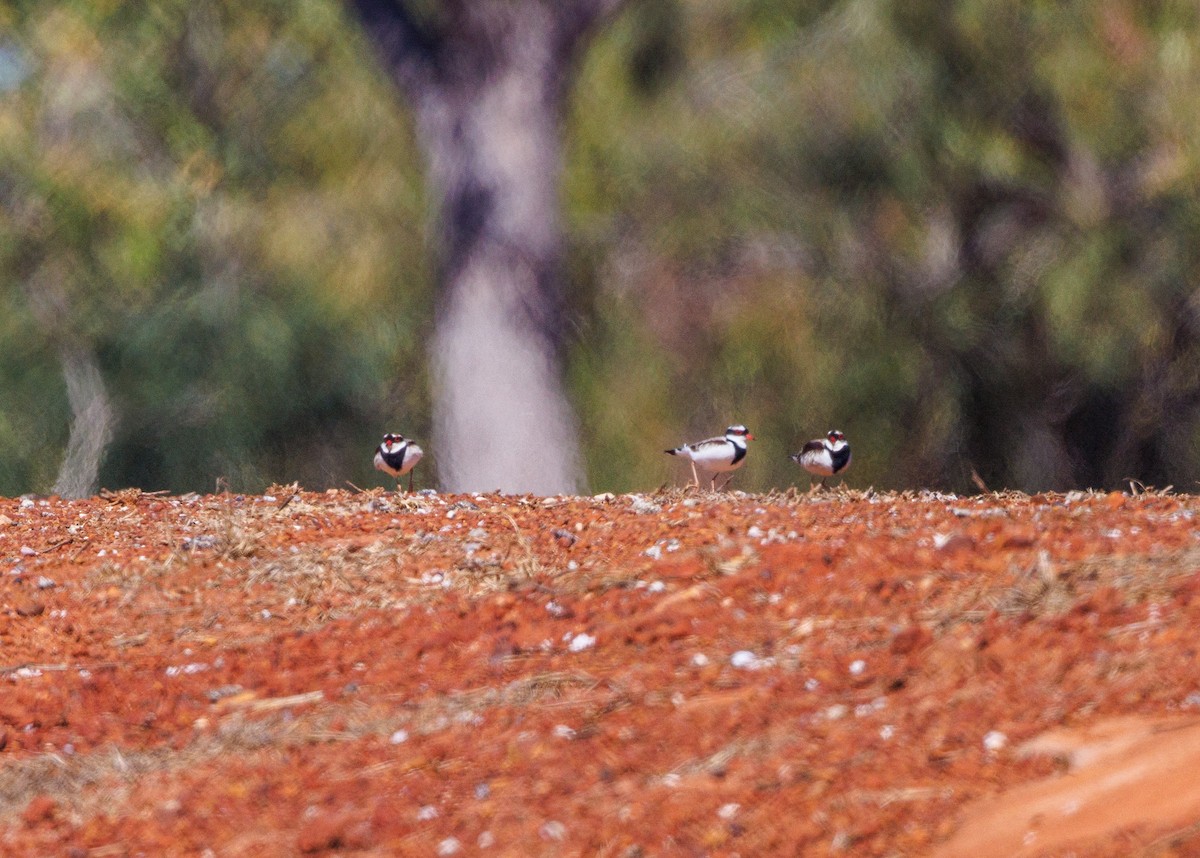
669,674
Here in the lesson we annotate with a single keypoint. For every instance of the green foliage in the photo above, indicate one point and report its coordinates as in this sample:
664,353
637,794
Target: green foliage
219,202
963,232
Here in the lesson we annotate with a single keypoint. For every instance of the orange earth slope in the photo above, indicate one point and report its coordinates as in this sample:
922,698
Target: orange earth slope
672,674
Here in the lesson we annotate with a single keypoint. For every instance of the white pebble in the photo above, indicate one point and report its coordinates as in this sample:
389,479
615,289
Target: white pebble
745,659
427,813
700,659
449,846
857,667
886,732
486,840
553,830
581,642
994,741
399,737
729,811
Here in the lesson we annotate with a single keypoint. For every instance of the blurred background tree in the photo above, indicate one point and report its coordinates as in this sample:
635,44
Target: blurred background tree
963,232
215,205
487,83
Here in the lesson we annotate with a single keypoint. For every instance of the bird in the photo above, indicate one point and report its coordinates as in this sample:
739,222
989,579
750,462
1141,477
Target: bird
824,457
716,455
397,456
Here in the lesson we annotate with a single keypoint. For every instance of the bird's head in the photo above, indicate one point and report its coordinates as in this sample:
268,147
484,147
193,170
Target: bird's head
739,431
392,440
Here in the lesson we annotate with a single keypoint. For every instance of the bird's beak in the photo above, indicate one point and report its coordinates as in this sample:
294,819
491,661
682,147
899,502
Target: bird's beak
749,437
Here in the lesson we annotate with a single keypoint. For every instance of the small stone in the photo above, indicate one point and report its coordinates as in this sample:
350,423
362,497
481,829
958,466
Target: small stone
200,543
744,659
28,607
44,583
994,741
581,642
449,846
553,830
642,506
27,551
398,737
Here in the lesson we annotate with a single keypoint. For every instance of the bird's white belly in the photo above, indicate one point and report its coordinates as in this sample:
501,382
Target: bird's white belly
412,455
714,459
820,463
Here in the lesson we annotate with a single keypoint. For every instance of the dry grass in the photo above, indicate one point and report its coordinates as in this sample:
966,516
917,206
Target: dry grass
1048,588
100,782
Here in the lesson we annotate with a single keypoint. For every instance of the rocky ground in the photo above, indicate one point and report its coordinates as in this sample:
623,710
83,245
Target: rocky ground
673,674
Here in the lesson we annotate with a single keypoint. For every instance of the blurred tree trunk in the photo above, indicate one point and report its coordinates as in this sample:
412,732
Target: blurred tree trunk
92,415
91,424
487,81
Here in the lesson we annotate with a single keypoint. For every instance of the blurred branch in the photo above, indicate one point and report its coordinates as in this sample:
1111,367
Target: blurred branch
407,49
577,19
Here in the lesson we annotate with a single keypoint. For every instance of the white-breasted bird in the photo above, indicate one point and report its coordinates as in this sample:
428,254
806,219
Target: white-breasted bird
397,456
824,457
716,455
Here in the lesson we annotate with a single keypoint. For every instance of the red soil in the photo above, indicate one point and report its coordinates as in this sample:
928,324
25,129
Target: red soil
663,675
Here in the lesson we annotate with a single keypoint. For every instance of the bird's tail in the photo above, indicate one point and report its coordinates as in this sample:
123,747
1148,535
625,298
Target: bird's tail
674,452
